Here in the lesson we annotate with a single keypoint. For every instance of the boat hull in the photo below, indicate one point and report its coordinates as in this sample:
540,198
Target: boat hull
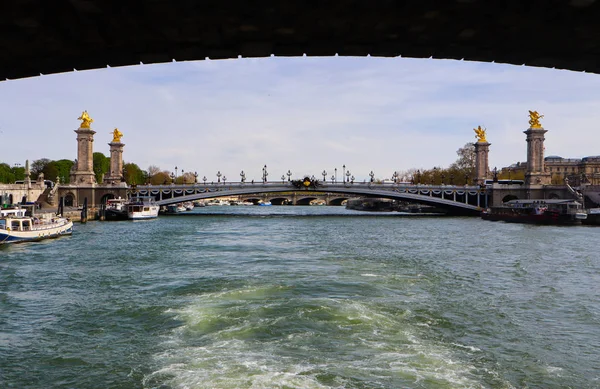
34,235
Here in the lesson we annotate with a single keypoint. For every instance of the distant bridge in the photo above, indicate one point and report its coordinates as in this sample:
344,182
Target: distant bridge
458,200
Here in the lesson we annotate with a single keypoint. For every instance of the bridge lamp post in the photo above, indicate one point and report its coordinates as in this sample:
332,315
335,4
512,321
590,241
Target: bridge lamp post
324,173
466,179
175,171
332,178
182,177
289,174
195,177
509,171
283,178
172,177
335,170
224,180
348,176
371,175
395,177
219,176
352,179
204,179
343,171
443,175
265,174
418,177
243,176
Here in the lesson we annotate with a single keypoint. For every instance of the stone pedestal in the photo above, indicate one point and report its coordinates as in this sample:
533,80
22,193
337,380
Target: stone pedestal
482,150
115,174
535,174
83,170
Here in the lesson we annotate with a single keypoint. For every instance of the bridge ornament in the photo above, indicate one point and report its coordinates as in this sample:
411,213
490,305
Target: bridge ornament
534,119
480,134
86,120
117,135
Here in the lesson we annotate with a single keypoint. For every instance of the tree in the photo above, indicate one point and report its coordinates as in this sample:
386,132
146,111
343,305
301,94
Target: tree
63,167
133,174
152,170
465,164
38,166
101,165
160,178
6,174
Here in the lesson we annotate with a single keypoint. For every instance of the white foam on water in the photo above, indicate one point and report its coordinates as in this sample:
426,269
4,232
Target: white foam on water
230,339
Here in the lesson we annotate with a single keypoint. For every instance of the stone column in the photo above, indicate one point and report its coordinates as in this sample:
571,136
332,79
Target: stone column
115,174
535,174
482,150
83,172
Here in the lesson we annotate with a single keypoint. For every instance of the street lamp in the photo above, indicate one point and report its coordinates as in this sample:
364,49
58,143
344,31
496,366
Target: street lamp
175,171
352,179
466,179
265,174
195,177
172,177
204,179
243,176
289,174
509,171
224,180
283,178
219,176
395,177
443,176
347,174
343,171
324,173
371,175
335,174
495,174
418,177
332,178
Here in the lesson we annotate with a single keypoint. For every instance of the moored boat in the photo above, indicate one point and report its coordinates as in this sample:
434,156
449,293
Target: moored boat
16,226
557,212
116,209
142,207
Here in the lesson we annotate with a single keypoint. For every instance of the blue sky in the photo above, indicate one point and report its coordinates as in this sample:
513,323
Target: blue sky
305,114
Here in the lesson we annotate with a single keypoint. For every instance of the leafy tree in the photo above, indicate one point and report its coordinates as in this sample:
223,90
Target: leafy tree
133,174
7,176
101,165
160,178
63,167
51,172
19,172
38,166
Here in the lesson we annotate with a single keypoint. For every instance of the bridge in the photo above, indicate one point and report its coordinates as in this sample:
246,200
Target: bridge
91,34
457,200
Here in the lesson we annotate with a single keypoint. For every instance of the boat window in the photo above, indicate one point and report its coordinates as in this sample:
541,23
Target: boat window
3,224
15,225
26,225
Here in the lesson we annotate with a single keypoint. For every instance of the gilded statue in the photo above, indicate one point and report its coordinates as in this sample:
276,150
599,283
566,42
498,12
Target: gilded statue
86,120
117,135
480,134
534,119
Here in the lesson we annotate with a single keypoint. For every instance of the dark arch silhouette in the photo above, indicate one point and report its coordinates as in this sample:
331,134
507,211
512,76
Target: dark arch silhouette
90,34
509,198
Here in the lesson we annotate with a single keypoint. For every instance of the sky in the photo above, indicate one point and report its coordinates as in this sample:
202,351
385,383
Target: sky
304,114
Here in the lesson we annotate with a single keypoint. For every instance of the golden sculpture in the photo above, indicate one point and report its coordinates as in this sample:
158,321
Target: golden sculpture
534,119
117,135
86,120
480,134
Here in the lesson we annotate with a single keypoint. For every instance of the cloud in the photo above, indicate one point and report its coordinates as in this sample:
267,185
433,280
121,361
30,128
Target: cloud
302,114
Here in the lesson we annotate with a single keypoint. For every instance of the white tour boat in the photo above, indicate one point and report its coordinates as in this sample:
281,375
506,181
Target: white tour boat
142,207
16,226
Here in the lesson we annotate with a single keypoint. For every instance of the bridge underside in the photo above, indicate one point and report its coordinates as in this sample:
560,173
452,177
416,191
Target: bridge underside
43,37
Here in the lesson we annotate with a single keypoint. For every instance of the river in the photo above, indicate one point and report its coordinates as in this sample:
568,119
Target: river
302,297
